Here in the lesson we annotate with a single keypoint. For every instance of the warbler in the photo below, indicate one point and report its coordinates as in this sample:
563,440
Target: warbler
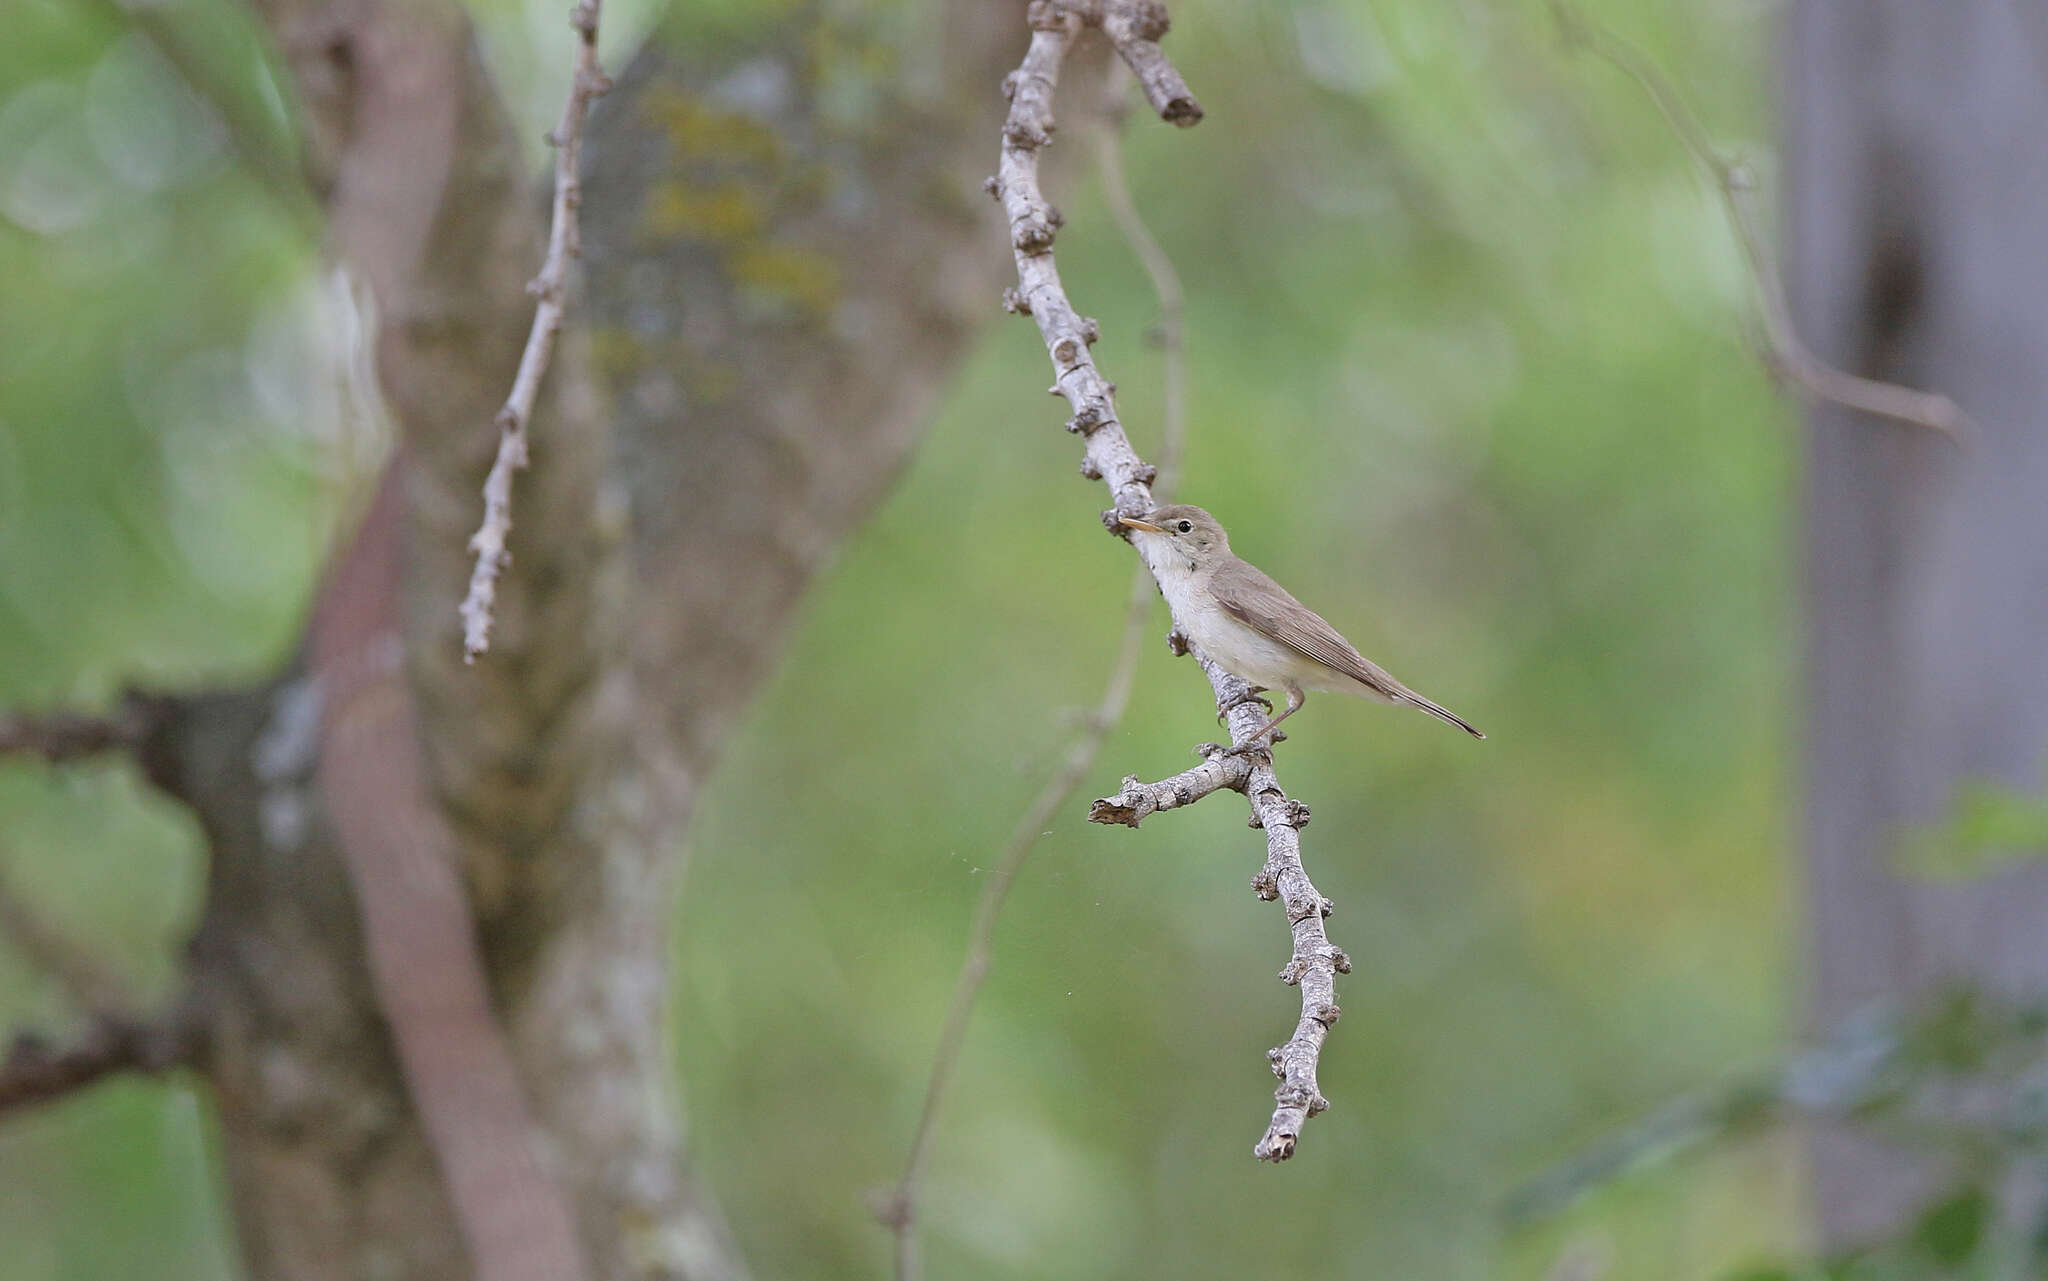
1253,627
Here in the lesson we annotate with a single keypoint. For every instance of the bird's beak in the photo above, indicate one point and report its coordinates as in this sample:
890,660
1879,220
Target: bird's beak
1132,522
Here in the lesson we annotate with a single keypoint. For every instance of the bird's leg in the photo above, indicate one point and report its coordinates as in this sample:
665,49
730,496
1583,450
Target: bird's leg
1250,695
1294,702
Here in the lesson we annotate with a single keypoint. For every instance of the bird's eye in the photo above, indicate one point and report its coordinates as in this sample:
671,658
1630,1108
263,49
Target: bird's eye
1186,526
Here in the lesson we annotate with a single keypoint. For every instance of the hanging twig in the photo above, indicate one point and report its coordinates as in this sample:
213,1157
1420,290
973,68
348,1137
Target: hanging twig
1108,455
1786,352
899,1213
551,288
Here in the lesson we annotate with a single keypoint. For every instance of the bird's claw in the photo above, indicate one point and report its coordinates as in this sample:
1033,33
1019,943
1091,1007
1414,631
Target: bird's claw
1249,696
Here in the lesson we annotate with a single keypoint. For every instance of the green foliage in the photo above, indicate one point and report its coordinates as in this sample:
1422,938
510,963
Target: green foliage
1954,1237
1951,1231
1988,827
1896,1078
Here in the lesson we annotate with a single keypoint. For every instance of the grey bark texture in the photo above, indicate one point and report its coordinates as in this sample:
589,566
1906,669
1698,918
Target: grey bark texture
1917,198
747,386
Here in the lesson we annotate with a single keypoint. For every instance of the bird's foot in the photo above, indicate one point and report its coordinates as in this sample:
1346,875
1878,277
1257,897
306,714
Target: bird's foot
1249,696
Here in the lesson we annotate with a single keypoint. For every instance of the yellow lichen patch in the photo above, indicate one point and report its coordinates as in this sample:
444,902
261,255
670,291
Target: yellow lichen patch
615,351
700,132
803,279
723,213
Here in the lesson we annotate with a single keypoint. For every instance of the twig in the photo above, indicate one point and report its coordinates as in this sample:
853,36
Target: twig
1316,961
65,736
35,1071
1135,29
1786,352
900,1211
1108,454
1139,801
551,288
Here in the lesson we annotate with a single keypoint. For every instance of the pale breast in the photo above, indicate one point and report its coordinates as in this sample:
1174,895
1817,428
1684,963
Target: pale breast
1239,649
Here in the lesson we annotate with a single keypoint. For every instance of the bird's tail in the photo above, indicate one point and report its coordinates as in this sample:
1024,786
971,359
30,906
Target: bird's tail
1442,713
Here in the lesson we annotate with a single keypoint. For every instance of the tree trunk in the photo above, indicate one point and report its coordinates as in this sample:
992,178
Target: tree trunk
774,294
1917,199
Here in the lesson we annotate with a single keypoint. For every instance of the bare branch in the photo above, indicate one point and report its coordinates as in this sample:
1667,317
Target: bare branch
551,288
1786,352
65,736
899,1212
1139,801
1108,454
1135,30
35,1071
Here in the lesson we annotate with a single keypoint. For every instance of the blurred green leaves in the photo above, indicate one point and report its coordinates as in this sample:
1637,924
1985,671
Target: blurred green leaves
1989,826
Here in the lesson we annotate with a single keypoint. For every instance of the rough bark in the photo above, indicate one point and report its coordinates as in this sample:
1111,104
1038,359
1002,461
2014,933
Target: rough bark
1917,199
775,295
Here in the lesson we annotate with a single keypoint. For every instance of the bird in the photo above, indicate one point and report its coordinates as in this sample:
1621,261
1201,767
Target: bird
1253,627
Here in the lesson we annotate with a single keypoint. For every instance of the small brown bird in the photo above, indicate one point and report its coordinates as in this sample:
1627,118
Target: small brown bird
1250,625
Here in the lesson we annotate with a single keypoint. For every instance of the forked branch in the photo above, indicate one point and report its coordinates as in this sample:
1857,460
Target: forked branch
551,288
1108,454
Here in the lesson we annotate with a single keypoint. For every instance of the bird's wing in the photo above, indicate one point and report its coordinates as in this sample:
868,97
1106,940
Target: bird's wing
1255,600
1258,602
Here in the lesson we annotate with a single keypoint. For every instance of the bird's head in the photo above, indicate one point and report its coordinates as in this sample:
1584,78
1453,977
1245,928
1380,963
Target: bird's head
1188,530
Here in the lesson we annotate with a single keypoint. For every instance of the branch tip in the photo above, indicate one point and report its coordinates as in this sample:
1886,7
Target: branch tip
549,288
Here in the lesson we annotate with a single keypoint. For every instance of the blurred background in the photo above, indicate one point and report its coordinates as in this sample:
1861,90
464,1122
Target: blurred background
1472,370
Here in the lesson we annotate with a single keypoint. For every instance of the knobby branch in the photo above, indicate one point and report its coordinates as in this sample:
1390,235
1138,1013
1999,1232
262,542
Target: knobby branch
550,288
1135,29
